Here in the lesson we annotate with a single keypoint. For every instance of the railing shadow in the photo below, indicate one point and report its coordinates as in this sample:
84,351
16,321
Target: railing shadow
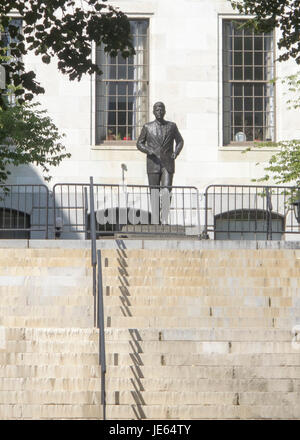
135,339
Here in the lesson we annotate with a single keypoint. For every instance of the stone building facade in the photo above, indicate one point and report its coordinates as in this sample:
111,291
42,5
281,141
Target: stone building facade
213,78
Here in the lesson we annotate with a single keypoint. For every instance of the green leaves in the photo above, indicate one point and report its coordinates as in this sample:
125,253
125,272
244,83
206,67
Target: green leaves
50,28
28,136
268,15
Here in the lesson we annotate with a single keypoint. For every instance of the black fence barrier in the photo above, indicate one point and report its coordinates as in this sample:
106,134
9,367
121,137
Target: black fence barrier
235,212
24,211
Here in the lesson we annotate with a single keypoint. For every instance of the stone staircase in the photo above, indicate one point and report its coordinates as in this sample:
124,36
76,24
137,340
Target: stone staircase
190,334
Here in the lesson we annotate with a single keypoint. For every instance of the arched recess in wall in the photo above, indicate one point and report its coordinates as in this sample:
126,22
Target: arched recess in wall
14,224
249,224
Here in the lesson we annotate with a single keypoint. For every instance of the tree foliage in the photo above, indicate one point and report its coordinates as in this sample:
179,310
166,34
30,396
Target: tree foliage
28,136
271,14
284,165
65,29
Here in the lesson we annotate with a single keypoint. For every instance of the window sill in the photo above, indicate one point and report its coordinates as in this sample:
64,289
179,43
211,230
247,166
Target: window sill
244,146
115,145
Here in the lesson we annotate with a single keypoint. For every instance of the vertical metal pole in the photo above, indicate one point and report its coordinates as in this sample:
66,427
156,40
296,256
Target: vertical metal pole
92,223
198,213
85,213
47,212
102,357
93,242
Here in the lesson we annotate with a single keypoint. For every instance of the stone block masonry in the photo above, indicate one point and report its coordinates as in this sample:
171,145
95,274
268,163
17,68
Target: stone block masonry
194,330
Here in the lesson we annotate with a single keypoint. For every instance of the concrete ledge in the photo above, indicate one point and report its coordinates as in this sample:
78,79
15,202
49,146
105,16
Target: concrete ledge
14,244
127,243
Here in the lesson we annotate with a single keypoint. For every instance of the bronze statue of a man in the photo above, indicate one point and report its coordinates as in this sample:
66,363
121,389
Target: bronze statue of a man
157,141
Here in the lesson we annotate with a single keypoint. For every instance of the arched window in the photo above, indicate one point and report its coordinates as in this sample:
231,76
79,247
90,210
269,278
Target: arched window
14,224
249,224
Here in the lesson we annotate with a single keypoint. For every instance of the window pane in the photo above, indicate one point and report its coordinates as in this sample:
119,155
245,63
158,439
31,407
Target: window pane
238,73
238,104
248,73
248,43
258,103
248,104
258,43
250,111
238,90
238,118
248,57
238,43
258,59
248,90
238,58
258,73
122,71
123,107
248,118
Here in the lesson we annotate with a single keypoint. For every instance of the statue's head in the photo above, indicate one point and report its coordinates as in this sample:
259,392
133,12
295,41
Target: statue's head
159,110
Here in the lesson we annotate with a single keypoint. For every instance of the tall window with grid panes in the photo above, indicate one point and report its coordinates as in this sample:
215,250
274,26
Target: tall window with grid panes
248,90
122,90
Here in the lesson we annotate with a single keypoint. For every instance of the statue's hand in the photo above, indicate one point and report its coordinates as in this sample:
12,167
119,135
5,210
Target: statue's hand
173,155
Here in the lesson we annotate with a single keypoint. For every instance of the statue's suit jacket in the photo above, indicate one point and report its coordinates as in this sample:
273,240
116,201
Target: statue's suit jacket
162,143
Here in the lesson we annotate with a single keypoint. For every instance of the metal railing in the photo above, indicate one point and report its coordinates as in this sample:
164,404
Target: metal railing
228,212
131,209
249,212
34,211
98,296
24,211
100,322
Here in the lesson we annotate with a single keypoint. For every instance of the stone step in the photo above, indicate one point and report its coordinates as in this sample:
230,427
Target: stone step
66,271
222,254
53,281
64,358
60,397
49,334
47,300
210,321
47,311
86,321
77,335
156,359
224,262
176,292
154,347
52,371
205,359
210,301
127,289
71,335
193,281
197,347
44,252
199,334
44,290
147,372
50,411
202,412
165,385
186,311
149,397
44,262
193,270
149,412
